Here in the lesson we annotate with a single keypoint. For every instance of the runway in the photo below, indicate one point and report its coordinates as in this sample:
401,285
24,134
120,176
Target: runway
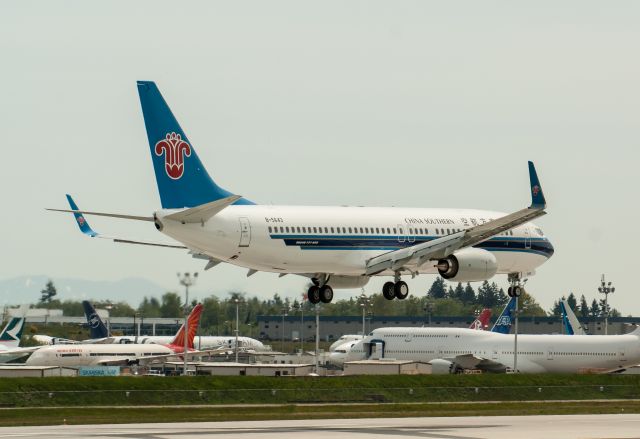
496,427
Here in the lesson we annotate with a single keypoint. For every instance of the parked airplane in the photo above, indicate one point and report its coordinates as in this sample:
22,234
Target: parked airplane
503,322
569,320
336,247
342,346
454,349
88,354
10,341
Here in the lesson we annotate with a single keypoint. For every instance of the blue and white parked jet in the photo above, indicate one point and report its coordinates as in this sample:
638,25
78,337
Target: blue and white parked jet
336,247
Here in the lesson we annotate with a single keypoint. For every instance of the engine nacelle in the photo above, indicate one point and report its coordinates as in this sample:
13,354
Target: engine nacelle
441,367
468,265
338,282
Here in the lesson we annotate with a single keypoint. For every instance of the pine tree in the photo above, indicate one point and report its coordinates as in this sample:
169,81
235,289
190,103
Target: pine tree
458,293
594,311
572,301
437,290
48,293
469,295
557,310
584,307
488,295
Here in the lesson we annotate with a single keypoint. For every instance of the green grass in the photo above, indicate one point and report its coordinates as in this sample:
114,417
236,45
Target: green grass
92,415
125,391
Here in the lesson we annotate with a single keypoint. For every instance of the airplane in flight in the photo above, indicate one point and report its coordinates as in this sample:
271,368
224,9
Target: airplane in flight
94,354
335,247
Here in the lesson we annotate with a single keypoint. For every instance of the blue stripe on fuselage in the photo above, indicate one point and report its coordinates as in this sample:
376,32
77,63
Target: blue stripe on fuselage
371,242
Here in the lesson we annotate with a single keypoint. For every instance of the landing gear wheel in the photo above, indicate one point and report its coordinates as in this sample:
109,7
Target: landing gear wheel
401,290
388,291
515,291
313,294
326,294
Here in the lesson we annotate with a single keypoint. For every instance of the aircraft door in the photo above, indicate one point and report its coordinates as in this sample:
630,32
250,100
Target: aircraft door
494,353
376,350
527,238
401,236
245,232
621,357
550,353
411,236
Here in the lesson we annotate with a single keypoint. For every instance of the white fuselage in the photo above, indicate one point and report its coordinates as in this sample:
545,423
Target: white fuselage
340,240
93,354
536,353
200,342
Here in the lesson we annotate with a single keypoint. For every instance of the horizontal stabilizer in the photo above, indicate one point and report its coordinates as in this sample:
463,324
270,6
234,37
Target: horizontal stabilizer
111,215
202,213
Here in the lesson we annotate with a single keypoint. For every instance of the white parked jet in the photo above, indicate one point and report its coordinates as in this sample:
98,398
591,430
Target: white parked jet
452,349
336,247
91,354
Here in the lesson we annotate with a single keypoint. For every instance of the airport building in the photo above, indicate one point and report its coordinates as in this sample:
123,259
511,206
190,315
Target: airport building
277,327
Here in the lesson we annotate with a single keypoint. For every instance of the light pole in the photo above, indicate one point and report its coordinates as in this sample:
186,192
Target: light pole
285,310
428,309
186,280
364,304
300,307
237,302
317,310
108,307
606,289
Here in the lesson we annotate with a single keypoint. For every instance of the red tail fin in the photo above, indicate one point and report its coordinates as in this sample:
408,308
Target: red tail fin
482,322
193,322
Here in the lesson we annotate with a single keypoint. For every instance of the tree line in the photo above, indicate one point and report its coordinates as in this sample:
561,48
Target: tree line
218,316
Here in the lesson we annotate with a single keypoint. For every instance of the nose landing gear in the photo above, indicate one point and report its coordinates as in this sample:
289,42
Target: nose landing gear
517,285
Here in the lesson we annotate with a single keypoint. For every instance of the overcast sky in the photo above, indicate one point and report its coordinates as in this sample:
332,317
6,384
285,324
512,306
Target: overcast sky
420,104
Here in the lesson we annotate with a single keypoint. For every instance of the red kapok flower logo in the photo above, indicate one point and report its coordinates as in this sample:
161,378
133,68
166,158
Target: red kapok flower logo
175,149
535,190
81,220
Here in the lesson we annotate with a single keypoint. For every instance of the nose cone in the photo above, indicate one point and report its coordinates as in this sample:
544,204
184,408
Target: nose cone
550,250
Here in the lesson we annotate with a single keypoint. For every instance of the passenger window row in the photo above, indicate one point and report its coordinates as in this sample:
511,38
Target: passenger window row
413,231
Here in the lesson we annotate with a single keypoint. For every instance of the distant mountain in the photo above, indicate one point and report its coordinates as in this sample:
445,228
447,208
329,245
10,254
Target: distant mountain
26,289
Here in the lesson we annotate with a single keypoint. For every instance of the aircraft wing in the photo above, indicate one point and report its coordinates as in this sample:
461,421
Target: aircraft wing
470,361
159,358
442,247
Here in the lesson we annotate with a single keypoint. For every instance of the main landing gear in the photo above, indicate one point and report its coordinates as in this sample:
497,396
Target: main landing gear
395,290
517,285
317,294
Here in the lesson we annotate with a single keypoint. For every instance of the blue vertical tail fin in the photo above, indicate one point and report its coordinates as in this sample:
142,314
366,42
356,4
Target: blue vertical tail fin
503,323
97,328
182,179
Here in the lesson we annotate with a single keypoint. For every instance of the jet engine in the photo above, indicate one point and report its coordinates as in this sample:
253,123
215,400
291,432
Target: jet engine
468,265
442,367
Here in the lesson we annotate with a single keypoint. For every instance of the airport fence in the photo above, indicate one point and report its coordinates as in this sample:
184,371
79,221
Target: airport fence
416,394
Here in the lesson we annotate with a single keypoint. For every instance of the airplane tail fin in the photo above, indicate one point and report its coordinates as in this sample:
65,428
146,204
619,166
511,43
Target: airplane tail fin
481,323
503,323
97,328
182,179
193,321
10,335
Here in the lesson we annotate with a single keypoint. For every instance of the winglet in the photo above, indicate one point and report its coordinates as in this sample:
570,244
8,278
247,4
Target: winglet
537,197
80,220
